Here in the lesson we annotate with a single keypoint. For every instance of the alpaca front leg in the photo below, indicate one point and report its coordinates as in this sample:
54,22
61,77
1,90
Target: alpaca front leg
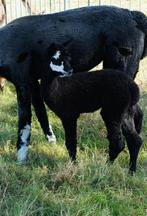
70,127
41,113
116,140
24,123
133,139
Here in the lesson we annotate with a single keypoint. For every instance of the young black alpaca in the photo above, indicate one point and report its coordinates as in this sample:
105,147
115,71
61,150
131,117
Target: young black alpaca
111,90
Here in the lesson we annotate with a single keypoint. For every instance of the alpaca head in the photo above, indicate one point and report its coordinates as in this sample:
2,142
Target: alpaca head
59,61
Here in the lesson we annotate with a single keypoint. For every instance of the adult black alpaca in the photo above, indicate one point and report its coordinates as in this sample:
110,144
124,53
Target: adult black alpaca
116,36
111,90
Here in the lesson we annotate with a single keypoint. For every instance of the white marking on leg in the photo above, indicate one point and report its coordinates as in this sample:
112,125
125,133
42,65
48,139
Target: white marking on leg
51,138
25,133
22,152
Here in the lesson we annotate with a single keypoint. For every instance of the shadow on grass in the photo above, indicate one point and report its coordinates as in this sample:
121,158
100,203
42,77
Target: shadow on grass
47,156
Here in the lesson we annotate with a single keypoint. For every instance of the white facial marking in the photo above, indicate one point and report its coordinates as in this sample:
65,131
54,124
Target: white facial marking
21,154
57,55
58,68
51,138
25,132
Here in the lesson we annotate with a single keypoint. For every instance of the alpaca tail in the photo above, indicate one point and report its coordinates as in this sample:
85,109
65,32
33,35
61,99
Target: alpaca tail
135,93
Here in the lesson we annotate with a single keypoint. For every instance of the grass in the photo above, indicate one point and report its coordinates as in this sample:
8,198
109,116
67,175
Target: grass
49,185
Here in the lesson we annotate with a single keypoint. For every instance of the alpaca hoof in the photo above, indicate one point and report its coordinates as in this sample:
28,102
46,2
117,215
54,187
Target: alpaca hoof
21,155
51,138
109,162
74,162
20,163
131,173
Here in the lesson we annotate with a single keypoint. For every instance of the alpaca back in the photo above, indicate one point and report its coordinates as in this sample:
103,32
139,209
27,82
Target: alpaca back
90,91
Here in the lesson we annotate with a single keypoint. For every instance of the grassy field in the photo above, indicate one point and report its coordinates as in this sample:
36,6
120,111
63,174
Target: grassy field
49,185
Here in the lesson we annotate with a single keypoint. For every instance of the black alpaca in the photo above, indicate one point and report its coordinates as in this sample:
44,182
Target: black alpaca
115,36
111,90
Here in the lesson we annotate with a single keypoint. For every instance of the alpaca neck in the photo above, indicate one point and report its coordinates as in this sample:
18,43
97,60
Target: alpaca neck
48,87
48,78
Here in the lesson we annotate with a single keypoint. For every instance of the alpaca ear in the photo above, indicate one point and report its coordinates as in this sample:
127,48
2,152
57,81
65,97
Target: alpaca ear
51,49
141,20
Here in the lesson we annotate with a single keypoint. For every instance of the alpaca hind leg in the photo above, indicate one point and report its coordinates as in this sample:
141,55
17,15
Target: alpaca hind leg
133,139
114,134
138,118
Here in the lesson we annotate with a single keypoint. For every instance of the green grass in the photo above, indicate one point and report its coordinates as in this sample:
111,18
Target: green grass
49,185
